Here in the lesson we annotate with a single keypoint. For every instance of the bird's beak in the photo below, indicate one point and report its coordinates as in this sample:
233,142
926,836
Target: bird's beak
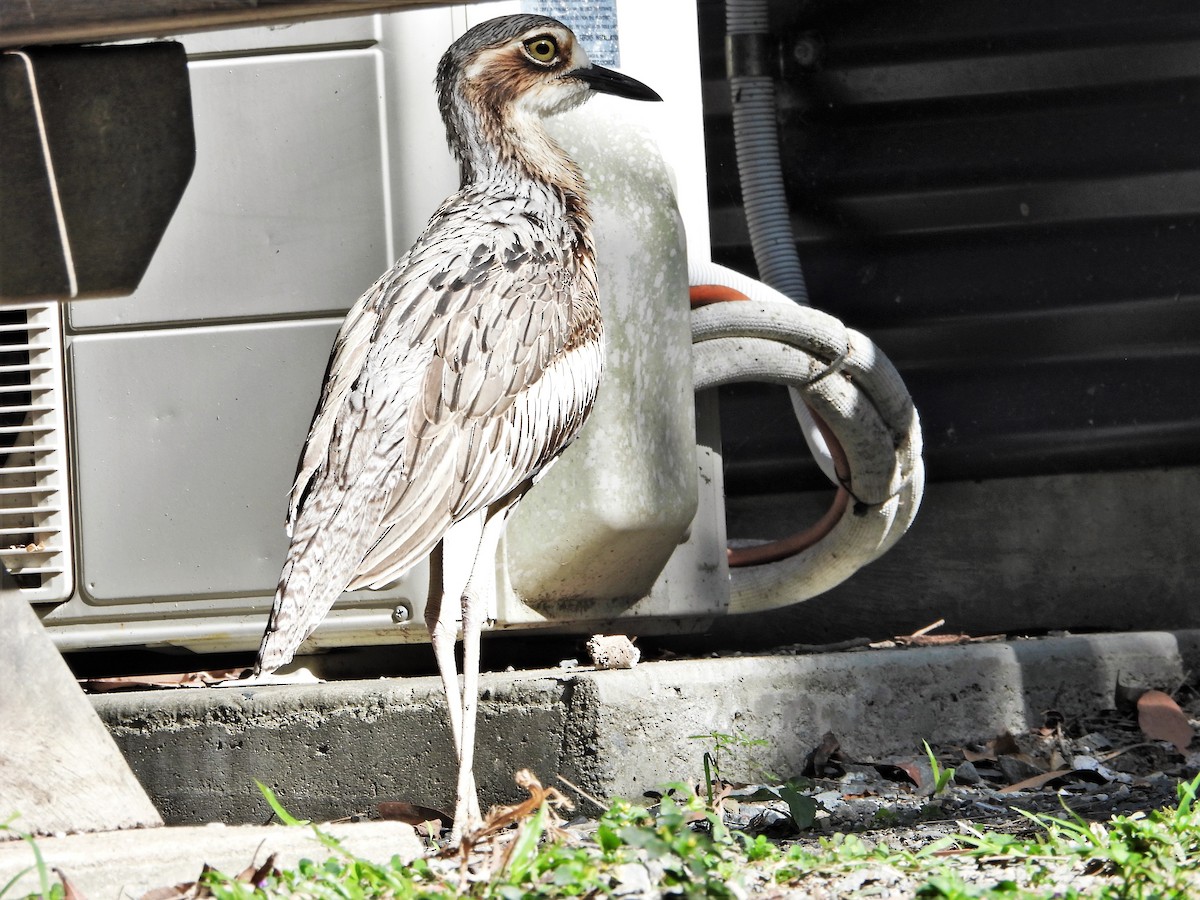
607,81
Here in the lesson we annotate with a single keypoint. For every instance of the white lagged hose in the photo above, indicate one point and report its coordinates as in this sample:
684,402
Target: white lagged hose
854,391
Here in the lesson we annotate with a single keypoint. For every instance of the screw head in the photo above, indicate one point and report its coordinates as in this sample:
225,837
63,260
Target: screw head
808,51
402,614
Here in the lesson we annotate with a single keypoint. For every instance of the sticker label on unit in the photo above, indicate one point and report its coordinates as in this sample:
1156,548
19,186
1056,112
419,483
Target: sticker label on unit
593,21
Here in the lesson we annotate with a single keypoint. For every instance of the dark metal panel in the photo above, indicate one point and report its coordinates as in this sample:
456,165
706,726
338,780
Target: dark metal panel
1006,197
116,125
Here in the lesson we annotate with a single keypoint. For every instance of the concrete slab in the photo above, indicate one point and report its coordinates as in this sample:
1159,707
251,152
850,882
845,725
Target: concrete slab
59,768
116,864
334,750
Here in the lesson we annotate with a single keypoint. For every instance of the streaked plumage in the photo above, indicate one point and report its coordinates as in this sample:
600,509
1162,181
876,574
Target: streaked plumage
465,370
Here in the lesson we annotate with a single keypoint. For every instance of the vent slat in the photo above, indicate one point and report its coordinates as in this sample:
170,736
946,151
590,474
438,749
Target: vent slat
26,408
19,550
32,467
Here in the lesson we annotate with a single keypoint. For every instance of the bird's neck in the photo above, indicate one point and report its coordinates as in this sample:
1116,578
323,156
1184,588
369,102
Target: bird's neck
512,150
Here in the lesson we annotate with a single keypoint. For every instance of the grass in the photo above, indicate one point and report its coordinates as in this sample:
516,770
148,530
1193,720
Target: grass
682,848
941,777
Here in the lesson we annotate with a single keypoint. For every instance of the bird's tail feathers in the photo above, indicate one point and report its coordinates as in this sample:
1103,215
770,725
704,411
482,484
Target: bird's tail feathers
319,566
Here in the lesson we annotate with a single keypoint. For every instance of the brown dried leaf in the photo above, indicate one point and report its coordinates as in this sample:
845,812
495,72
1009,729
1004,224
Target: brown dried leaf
1004,745
184,891
901,770
922,637
70,892
1110,755
1040,781
500,817
164,893
829,750
1037,782
253,874
187,890
1161,719
172,680
928,640
1001,745
410,813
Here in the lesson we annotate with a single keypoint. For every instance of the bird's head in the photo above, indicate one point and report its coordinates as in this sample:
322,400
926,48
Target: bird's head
534,62
511,68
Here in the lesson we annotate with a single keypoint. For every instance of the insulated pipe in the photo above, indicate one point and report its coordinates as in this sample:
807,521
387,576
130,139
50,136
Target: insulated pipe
704,273
857,394
756,139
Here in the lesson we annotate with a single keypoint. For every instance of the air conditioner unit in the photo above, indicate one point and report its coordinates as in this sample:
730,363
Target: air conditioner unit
149,441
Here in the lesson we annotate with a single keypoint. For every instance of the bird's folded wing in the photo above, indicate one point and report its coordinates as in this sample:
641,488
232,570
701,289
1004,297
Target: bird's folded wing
435,370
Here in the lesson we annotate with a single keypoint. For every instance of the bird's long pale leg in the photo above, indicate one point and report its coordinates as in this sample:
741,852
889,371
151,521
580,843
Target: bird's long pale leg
449,571
478,600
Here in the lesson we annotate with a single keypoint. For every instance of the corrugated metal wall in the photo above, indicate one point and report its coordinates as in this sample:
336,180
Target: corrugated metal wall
1005,195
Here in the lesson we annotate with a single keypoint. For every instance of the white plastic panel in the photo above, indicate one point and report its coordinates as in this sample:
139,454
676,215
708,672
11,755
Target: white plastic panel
287,209
423,172
660,46
604,521
326,33
185,451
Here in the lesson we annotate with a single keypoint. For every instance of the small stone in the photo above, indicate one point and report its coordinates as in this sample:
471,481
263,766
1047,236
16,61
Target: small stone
966,773
631,879
613,651
1016,770
829,800
1094,741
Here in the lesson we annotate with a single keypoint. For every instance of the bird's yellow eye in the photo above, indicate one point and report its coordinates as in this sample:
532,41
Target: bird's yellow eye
542,49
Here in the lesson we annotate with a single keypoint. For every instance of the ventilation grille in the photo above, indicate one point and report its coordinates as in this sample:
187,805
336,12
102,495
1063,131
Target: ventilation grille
35,533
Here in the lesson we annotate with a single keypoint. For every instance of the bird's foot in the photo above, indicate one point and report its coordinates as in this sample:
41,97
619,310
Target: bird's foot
467,818
296,676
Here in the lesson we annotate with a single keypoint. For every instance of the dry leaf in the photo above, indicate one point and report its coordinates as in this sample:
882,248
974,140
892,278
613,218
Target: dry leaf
974,756
173,680
255,875
410,813
828,751
903,770
188,890
178,892
922,637
1109,755
500,817
70,892
1004,744
1161,719
1037,782
941,640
